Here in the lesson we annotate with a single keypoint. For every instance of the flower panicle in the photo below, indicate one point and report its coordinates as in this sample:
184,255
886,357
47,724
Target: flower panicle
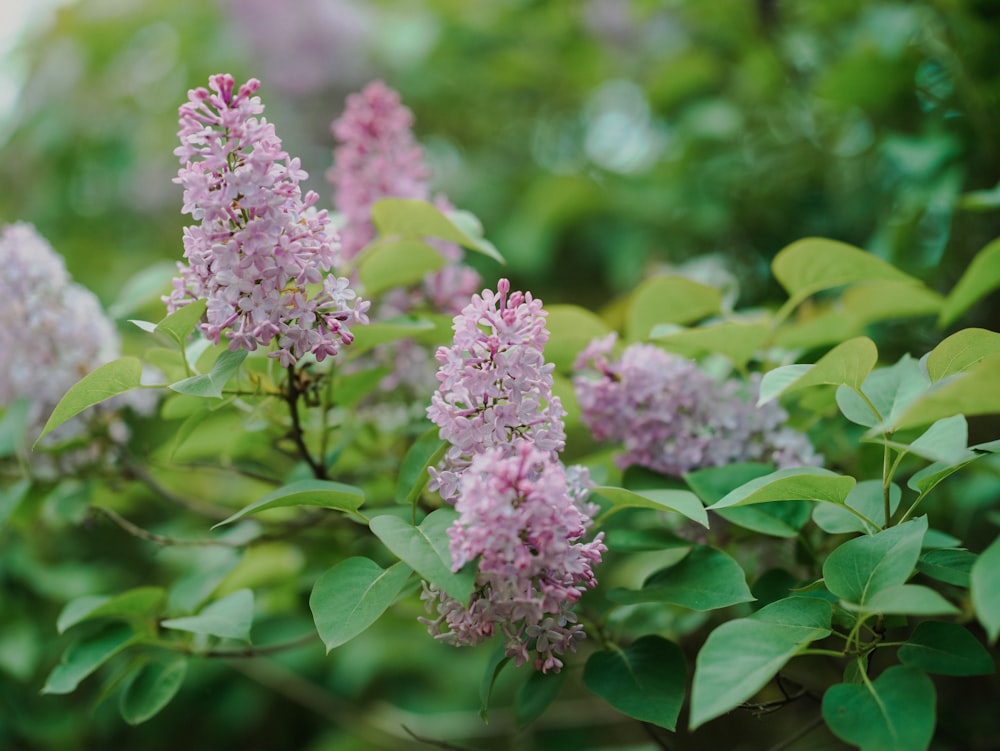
261,254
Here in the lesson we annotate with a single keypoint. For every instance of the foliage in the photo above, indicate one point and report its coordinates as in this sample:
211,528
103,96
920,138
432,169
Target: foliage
281,526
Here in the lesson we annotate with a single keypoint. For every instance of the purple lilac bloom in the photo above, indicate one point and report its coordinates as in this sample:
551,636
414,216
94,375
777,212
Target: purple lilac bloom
52,333
378,157
261,252
494,384
673,417
521,512
521,522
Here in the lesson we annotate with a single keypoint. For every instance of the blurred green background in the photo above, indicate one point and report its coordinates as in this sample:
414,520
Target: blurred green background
597,140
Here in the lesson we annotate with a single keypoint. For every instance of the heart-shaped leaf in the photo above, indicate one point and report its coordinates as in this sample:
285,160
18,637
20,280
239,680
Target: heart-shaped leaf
946,649
645,680
864,566
895,712
742,655
322,493
426,550
352,595
229,617
150,688
705,579
680,501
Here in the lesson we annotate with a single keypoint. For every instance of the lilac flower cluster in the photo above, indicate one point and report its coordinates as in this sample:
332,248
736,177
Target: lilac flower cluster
52,333
495,386
377,158
522,514
261,252
673,417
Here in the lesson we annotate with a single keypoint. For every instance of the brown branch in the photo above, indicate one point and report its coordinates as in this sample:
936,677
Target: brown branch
158,539
292,397
262,651
137,472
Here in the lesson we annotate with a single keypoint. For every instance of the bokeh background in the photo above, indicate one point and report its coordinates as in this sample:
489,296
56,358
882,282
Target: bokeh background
597,141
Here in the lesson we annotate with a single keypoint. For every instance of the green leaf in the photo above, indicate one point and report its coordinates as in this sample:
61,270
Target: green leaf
713,483
669,299
13,425
497,663
926,479
389,263
150,688
322,493
946,649
352,595
571,328
414,219
391,330
905,599
961,351
985,588
229,617
142,602
706,579
111,379
847,364
980,278
864,566
212,383
947,441
879,301
425,452
178,324
867,499
971,392
814,263
145,286
84,657
425,549
895,712
680,501
778,519
741,656
889,390
11,497
736,340
645,680
535,695
949,565
792,484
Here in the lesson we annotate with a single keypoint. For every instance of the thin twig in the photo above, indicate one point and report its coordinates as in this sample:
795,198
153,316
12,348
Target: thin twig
162,540
292,397
262,651
138,472
432,742
797,735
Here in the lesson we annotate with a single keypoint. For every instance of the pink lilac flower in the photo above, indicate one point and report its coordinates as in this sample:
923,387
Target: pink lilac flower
494,384
521,524
378,157
53,332
521,512
673,417
261,252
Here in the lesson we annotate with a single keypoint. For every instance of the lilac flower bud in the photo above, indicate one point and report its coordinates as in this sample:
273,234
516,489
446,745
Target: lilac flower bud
673,417
261,253
521,525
